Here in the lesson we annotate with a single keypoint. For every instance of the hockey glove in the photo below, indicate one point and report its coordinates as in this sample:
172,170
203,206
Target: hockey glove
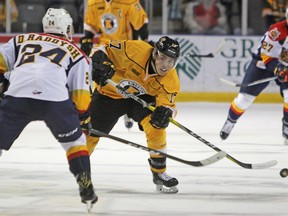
85,123
281,72
152,43
4,83
160,117
86,44
103,68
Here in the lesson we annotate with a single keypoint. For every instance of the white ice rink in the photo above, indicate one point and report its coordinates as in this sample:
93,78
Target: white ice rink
35,181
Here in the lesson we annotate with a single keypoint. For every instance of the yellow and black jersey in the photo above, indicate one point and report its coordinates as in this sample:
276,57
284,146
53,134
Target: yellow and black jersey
113,20
131,59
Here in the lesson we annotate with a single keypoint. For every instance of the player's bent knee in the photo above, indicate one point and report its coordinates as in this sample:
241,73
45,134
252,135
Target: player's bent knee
81,141
285,95
91,143
243,101
156,138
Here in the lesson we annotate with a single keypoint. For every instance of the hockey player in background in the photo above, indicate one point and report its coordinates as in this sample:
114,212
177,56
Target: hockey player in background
49,81
270,59
148,72
114,20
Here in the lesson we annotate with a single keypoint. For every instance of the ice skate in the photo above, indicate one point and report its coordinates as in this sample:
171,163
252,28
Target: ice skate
227,128
285,132
128,122
164,183
86,190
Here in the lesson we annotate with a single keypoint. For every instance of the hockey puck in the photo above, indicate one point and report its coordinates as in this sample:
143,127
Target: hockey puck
284,172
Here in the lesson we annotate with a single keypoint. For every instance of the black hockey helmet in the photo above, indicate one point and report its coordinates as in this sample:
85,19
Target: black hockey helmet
168,47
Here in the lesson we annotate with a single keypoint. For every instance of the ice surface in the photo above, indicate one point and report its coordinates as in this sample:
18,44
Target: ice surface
35,179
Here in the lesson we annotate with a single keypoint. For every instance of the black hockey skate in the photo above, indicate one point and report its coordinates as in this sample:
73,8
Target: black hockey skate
128,122
86,190
164,183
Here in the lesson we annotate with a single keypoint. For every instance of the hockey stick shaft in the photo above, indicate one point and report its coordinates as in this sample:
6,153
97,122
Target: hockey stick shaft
258,82
212,54
214,158
242,164
248,84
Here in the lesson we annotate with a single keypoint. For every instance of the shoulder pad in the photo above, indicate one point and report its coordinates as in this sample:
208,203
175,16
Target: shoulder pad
92,2
278,31
171,82
139,51
125,1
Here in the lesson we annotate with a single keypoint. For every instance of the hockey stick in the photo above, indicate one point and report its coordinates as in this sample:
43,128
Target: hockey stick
264,165
214,158
212,54
248,84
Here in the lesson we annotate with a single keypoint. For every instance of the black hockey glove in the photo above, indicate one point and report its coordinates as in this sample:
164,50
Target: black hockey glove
85,123
160,117
86,44
103,68
152,43
4,83
281,72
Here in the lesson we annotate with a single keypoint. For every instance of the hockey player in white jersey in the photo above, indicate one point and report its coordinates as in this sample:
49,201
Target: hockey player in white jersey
269,60
49,81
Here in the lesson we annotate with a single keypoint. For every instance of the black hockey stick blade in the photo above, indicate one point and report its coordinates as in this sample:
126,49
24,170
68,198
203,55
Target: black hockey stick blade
248,84
264,165
214,158
212,54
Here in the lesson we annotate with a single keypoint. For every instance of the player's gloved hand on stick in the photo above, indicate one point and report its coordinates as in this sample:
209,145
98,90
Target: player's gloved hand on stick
86,44
85,123
103,68
281,72
160,117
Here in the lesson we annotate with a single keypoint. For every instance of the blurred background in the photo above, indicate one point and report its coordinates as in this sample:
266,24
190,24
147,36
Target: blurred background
198,25
233,17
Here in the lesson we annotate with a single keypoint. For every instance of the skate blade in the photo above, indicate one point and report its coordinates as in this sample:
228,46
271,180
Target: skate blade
163,189
89,206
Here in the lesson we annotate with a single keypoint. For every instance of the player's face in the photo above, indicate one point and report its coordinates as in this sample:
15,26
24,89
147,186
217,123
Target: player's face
163,63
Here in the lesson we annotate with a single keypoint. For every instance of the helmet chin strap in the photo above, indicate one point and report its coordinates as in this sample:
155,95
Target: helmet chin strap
152,63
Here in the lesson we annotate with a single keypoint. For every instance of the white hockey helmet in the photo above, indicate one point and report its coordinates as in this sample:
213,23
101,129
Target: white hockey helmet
58,21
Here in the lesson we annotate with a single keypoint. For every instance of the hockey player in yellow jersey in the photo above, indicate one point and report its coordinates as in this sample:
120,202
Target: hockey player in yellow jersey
148,72
114,20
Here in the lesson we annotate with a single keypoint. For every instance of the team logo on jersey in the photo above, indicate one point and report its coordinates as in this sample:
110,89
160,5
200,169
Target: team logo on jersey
132,87
187,65
274,33
109,23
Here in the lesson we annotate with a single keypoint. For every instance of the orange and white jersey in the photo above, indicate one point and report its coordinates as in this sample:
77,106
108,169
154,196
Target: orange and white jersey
113,20
46,67
131,59
271,44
